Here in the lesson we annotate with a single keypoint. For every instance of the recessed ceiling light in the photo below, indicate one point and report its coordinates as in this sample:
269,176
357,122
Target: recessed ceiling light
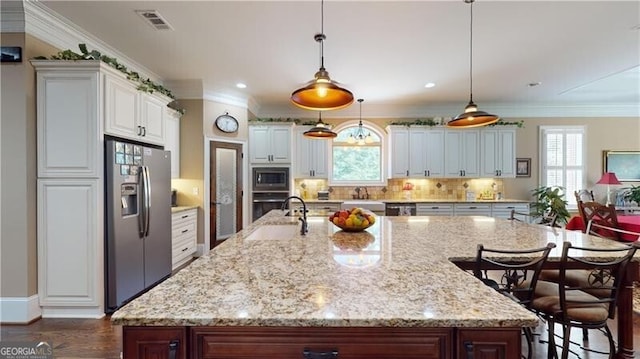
534,84
429,85
240,85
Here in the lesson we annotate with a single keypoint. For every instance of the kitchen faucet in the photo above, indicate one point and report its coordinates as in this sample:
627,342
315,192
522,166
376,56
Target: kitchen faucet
304,228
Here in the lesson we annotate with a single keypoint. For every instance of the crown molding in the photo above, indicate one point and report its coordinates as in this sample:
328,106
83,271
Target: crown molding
225,99
56,30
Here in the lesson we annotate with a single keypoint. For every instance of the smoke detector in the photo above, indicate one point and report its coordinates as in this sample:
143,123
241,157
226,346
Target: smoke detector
153,18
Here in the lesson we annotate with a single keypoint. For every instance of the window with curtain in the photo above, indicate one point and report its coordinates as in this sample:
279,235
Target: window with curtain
562,159
354,161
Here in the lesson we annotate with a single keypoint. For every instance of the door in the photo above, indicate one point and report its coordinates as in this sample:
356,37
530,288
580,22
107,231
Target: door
225,179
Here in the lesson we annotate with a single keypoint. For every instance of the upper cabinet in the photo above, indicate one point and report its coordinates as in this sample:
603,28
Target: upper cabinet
311,155
270,144
172,143
416,152
133,114
462,153
498,152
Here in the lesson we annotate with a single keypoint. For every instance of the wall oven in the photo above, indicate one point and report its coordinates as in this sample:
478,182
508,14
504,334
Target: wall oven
270,187
271,179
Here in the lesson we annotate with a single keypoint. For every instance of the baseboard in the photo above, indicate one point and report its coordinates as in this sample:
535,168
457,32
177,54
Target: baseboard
72,312
19,310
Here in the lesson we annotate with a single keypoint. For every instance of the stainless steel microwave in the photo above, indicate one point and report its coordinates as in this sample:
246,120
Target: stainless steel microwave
271,178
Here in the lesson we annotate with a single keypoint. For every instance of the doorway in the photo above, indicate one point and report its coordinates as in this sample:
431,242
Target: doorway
225,181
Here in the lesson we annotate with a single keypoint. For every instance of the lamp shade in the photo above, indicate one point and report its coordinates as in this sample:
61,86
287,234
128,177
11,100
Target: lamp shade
608,178
473,118
322,94
320,130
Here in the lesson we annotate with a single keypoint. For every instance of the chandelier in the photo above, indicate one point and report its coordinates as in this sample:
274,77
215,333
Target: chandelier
360,137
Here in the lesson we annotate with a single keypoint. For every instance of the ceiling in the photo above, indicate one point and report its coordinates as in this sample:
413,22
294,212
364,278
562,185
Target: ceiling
584,54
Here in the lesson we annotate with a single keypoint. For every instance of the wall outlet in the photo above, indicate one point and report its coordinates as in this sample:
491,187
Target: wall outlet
195,191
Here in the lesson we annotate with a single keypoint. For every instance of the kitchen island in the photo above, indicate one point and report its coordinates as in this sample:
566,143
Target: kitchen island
390,292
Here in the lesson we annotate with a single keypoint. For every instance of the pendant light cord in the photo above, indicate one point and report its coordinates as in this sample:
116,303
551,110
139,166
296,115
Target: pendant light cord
322,36
470,52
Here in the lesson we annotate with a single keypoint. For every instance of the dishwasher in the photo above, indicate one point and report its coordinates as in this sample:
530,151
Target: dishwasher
400,209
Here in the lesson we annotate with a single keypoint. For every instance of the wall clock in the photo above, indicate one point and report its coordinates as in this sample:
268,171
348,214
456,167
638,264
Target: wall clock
227,123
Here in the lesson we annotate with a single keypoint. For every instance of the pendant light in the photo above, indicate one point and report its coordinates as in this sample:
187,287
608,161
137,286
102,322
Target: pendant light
360,138
471,117
320,130
322,93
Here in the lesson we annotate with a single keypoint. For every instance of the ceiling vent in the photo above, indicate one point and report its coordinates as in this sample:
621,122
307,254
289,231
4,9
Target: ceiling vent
153,18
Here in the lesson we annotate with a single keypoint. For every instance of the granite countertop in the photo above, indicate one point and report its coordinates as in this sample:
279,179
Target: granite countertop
508,200
182,208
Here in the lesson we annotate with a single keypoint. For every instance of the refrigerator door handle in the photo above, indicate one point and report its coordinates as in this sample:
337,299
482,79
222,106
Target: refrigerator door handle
141,203
147,200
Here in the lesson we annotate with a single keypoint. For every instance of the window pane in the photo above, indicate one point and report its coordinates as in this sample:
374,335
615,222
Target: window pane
574,149
554,150
356,163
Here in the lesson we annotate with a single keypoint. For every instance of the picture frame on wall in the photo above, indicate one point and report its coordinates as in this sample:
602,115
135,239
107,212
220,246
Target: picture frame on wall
523,167
10,54
625,164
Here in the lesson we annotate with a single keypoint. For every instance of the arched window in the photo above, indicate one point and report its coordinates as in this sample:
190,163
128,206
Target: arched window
357,155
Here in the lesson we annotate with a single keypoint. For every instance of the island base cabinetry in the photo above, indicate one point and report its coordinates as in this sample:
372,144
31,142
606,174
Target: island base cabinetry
320,342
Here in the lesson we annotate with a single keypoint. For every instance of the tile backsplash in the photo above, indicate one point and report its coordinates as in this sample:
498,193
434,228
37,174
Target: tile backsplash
442,188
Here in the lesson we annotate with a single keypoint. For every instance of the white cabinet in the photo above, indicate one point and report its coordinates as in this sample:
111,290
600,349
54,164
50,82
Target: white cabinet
416,152
472,209
498,152
270,144
434,209
172,143
426,152
184,236
70,247
399,152
68,124
503,210
462,153
311,156
132,114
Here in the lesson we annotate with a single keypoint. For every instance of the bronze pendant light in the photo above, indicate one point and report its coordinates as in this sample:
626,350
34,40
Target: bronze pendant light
471,117
321,130
322,93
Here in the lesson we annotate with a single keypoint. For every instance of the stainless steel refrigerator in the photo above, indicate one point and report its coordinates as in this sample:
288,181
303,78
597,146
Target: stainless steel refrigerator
138,219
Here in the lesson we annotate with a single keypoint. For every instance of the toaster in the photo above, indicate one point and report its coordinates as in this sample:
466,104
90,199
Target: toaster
323,195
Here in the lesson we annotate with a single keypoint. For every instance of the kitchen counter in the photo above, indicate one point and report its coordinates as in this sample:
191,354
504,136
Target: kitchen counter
403,279
182,208
419,201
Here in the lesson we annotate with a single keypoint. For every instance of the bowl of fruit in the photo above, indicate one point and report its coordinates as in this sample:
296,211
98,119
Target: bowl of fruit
353,220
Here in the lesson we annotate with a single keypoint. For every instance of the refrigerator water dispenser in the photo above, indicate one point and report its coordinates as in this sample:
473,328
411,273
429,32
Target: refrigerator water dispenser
129,193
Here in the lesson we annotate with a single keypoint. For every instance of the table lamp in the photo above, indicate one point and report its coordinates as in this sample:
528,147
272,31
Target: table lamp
608,178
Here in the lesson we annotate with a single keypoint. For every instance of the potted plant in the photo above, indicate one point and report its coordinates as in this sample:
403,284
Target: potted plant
550,201
633,194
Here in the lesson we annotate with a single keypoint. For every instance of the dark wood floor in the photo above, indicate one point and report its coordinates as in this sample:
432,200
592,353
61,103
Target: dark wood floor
87,338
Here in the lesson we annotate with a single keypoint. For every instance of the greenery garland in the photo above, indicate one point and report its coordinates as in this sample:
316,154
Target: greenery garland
279,119
146,85
431,122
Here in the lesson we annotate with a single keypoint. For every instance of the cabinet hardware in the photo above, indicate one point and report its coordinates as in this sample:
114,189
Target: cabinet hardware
173,349
428,173
185,249
185,230
144,131
308,354
468,347
407,173
435,207
185,216
139,130
473,207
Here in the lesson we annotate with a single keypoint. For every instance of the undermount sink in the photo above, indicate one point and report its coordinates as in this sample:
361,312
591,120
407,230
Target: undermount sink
274,231
373,206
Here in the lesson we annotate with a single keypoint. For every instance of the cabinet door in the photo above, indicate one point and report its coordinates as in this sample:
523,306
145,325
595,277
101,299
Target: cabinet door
507,152
172,143
498,152
399,150
68,131
320,158
70,244
452,153
259,144
154,342
417,153
470,149
489,343
281,144
121,108
152,119
434,153
489,148
303,154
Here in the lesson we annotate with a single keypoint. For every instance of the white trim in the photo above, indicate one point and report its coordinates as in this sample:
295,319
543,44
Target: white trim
58,31
225,99
19,309
72,312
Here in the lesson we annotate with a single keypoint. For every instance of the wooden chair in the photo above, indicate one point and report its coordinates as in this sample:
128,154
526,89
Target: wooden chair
598,213
584,195
517,279
600,230
550,221
571,305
